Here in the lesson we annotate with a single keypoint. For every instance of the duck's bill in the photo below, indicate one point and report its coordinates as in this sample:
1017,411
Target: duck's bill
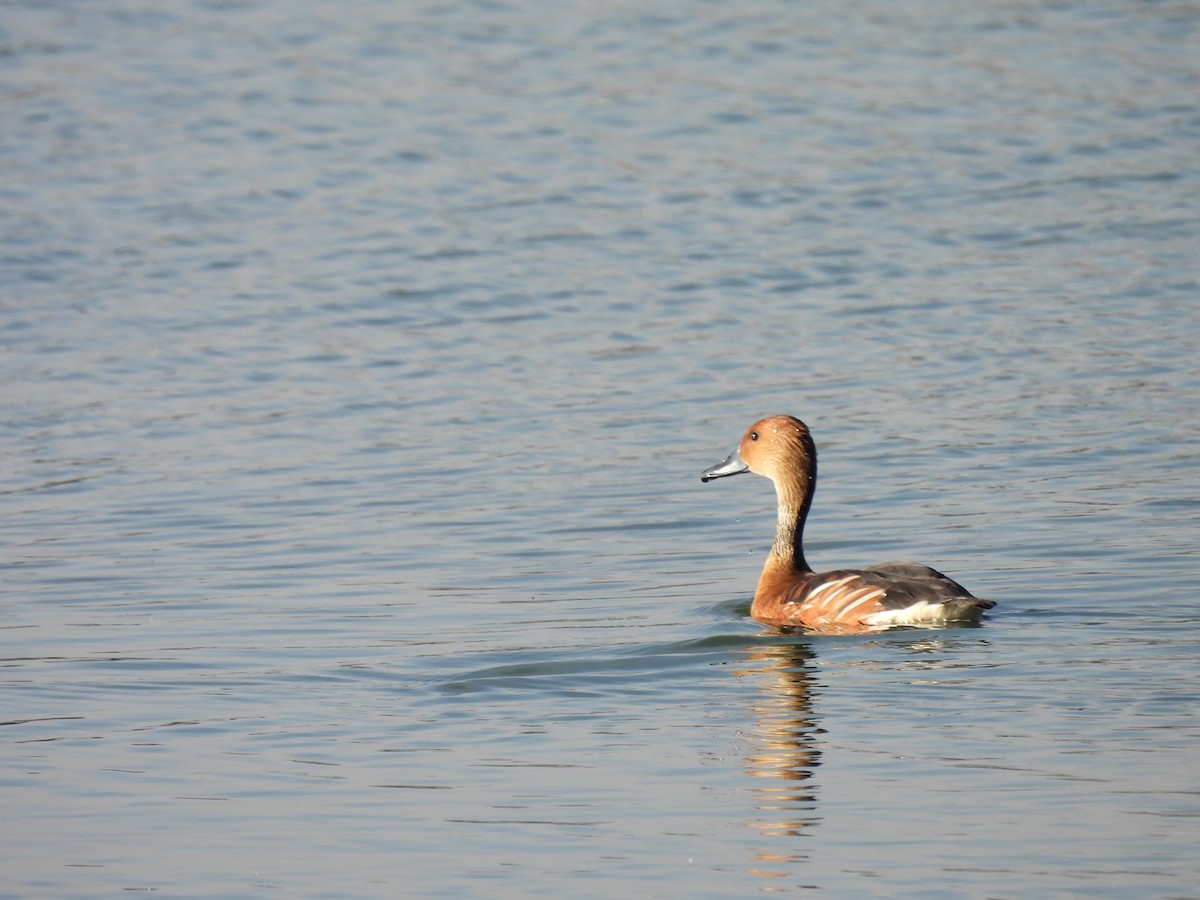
732,465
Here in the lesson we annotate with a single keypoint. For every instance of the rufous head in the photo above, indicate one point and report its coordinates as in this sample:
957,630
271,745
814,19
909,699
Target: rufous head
777,447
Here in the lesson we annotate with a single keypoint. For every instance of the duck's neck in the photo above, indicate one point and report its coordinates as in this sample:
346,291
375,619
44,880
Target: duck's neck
787,554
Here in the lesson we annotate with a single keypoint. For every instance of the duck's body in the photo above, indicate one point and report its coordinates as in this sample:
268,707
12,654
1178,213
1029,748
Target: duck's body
791,593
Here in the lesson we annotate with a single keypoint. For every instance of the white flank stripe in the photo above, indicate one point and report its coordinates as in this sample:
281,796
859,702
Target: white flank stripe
828,586
873,595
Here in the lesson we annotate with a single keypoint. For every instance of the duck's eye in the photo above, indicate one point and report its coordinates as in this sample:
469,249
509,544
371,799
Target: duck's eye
754,435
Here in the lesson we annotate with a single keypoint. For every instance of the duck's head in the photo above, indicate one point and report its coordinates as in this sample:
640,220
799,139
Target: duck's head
777,447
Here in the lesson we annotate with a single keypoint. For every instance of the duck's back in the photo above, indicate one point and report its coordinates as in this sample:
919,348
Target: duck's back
892,593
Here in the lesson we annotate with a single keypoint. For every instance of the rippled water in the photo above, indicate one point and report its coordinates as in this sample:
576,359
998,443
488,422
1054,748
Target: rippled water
359,361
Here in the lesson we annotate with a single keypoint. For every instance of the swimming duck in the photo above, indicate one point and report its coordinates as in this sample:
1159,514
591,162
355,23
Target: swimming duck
791,593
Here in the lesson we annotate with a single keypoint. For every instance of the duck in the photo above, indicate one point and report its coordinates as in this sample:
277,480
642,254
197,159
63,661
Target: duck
790,593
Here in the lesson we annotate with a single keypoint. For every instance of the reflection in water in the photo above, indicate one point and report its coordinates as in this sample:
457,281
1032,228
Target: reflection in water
785,755
787,746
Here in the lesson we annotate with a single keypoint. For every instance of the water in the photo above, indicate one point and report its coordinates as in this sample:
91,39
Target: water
359,361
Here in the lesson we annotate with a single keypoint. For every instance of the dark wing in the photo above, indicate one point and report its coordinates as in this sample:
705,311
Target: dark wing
908,583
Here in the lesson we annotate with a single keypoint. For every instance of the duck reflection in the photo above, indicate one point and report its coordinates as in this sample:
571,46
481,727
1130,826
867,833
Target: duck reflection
786,748
787,744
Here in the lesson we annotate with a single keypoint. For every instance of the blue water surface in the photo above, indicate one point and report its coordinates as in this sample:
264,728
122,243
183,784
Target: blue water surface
358,364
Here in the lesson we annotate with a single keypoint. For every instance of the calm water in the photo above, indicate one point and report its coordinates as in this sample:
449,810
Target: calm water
358,363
